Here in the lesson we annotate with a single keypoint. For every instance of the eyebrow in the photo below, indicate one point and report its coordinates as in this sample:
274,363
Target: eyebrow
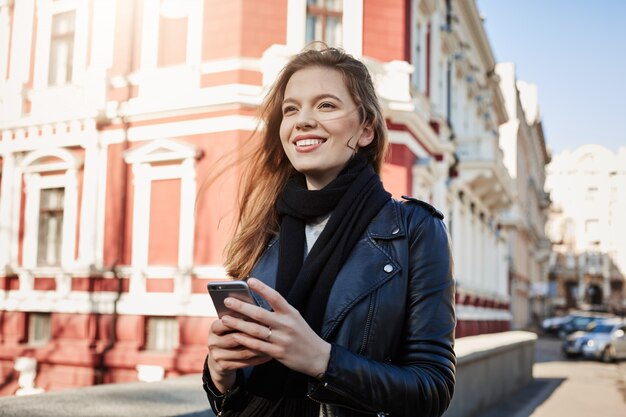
316,98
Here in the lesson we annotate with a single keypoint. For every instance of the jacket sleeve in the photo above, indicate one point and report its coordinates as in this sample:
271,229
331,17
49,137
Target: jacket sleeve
419,381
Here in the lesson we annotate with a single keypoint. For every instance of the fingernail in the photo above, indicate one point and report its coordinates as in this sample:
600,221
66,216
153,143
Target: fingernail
228,302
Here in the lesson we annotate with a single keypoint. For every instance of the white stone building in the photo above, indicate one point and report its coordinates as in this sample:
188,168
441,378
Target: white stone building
587,225
525,157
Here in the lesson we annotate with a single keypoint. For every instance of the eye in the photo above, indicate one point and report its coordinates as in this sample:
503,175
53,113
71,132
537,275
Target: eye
327,105
287,110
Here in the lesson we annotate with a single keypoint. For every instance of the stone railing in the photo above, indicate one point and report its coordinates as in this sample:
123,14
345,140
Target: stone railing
489,368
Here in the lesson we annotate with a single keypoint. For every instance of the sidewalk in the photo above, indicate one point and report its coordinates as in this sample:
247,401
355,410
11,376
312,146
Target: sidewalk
575,388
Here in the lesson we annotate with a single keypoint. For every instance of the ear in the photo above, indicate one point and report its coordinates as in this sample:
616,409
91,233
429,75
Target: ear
366,137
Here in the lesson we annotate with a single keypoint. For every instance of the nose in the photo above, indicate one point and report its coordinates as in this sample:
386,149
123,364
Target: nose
305,121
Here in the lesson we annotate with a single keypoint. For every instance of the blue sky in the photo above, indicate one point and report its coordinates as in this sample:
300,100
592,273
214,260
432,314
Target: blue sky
575,51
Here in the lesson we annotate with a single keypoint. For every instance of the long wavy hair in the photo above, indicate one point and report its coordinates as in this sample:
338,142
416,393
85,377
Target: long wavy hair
269,169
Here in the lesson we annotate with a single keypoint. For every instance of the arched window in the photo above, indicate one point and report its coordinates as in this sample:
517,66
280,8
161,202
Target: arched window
50,212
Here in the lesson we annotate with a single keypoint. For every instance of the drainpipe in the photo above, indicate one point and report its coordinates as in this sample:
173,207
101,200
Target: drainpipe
122,219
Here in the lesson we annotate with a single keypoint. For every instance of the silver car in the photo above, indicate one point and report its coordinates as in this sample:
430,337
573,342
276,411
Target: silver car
607,341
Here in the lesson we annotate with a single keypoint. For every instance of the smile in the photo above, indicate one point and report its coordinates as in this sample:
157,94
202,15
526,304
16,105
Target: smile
309,142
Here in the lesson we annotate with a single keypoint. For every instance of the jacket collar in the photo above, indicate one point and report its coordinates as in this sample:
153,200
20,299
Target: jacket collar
387,224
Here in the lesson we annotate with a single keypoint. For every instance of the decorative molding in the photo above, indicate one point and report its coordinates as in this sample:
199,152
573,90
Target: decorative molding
144,173
34,184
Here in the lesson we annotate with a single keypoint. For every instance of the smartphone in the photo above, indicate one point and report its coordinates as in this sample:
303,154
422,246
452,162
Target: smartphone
219,290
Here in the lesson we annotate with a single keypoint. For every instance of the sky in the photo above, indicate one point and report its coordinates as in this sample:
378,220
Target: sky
575,51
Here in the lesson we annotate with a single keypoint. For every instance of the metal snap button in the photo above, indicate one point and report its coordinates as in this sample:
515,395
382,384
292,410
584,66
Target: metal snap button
395,231
388,268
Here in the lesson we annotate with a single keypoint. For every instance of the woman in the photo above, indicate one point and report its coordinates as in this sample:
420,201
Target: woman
356,289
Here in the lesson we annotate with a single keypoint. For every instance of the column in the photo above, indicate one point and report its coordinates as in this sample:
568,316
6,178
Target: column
8,171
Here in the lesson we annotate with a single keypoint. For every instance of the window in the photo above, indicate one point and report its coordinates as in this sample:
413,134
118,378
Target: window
162,334
38,328
61,48
592,228
592,193
324,21
417,57
50,235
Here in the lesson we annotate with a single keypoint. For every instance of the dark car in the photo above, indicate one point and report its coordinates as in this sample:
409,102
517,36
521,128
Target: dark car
551,325
579,321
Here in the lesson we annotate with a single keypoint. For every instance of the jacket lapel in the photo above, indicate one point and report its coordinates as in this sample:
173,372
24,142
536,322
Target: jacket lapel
368,267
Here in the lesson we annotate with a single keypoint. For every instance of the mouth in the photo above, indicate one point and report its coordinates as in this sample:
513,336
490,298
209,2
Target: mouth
307,141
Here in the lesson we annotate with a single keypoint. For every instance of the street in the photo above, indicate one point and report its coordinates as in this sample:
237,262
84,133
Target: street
570,387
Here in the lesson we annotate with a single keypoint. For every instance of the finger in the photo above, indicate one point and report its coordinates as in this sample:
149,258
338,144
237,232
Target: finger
273,297
247,310
223,342
241,353
235,364
260,331
218,328
259,345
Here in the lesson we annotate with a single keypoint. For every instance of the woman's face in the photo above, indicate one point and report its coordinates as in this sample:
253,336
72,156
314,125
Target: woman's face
321,128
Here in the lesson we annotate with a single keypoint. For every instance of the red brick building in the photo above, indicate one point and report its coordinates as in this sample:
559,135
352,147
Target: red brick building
114,112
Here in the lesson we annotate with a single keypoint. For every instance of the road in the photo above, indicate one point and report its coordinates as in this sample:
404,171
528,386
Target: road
567,387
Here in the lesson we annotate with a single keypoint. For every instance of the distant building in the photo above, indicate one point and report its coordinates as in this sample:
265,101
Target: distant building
586,226
525,157
113,114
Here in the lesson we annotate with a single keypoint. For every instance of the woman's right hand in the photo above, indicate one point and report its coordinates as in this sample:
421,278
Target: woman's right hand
226,356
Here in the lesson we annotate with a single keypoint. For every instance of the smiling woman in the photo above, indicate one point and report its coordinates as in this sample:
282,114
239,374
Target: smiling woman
355,289
320,130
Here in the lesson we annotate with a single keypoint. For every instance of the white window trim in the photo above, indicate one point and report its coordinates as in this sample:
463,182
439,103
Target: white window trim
5,30
188,74
45,10
150,34
6,198
144,173
35,182
352,24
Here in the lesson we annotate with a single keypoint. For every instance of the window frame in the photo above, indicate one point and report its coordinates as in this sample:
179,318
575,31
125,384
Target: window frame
50,212
323,13
164,343
38,176
30,339
352,26
46,9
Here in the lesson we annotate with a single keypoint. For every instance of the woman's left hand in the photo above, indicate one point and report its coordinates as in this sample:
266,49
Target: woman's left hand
282,334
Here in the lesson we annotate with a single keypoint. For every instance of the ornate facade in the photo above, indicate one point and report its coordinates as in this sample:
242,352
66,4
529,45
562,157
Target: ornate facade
586,224
114,113
525,157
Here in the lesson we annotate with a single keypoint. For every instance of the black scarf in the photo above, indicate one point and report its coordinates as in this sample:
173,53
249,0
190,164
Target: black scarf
354,198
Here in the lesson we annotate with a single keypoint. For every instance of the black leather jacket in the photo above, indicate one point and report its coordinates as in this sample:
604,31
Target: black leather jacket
390,319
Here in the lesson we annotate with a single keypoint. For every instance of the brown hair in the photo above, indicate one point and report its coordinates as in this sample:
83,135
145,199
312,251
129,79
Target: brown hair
269,169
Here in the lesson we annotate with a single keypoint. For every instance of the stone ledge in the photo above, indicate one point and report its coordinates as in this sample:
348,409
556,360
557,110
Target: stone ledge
172,397
489,366
473,348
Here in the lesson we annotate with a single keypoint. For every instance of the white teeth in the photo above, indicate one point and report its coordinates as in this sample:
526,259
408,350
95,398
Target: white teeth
308,142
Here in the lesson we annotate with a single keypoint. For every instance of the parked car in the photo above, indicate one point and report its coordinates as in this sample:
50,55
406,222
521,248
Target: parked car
580,321
607,341
573,344
551,325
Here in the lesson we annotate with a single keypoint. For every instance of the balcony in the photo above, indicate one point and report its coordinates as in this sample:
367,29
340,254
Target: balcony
482,169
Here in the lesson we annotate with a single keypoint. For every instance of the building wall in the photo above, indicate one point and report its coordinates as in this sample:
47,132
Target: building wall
525,157
160,101
587,187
